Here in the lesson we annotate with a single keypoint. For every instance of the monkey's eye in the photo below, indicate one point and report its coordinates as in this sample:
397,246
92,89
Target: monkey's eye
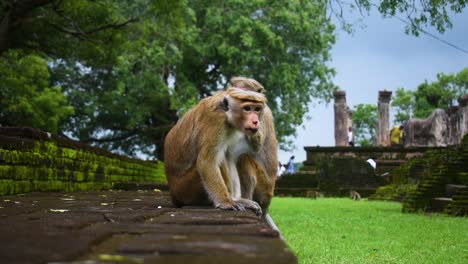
258,109
247,108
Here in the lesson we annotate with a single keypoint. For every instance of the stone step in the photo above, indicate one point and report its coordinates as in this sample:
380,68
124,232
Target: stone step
439,204
451,189
390,162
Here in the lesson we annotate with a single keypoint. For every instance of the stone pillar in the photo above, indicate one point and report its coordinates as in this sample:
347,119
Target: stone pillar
453,125
350,117
383,123
341,118
463,112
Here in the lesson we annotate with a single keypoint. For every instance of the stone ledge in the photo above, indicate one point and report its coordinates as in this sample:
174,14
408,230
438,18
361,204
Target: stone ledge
130,227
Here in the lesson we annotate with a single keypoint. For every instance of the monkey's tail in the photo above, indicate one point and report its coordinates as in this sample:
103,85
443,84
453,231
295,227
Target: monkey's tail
272,224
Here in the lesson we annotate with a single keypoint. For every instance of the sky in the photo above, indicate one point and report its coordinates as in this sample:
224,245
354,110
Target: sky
377,57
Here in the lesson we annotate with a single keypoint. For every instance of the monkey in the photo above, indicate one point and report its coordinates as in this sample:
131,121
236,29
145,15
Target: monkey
354,195
313,194
261,165
203,149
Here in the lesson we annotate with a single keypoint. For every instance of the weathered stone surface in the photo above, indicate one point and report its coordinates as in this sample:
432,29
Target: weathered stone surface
341,118
383,123
432,131
463,108
33,160
454,122
130,227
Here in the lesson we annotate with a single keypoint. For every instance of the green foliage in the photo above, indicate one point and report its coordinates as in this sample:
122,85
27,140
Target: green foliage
284,46
132,82
417,15
441,93
26,97
337,230
364,124
403,102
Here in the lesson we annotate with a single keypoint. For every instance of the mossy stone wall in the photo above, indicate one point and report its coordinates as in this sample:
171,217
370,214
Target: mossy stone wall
387,158
32,160
447,167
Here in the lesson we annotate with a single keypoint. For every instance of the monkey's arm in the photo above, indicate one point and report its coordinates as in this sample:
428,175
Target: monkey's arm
214,178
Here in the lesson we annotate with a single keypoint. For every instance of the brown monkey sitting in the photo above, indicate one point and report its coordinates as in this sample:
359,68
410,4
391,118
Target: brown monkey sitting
203,148
261,166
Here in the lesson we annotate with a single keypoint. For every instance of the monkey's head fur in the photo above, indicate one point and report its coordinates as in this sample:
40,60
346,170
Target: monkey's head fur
244,109
246,84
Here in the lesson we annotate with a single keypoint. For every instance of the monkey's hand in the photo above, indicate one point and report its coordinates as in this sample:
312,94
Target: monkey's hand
256,141
241,205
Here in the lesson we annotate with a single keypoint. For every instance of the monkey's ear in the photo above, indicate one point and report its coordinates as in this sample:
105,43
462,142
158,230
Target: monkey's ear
225,104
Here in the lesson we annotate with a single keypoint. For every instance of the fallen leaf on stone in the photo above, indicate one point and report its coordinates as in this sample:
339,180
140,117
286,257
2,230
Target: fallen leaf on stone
137,200
159,207
157,190
6,200
118,258
67,199
59,210
104,204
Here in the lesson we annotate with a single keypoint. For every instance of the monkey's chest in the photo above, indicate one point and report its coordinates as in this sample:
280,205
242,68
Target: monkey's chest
237,146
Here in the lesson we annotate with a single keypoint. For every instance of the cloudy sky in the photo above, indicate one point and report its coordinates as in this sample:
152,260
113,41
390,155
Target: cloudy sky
381,56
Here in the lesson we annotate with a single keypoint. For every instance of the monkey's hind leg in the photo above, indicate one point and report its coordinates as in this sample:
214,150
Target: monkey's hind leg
255,183
188,190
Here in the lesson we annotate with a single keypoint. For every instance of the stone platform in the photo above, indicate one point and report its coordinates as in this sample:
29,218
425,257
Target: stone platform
130,227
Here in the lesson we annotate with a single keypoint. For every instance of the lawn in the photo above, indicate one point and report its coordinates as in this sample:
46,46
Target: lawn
340,230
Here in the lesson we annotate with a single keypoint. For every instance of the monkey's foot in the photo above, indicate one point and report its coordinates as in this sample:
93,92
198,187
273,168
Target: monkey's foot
241,205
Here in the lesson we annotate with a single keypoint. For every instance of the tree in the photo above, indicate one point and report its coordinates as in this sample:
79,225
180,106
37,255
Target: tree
26,97
442,93
284,46
111,59
131,68
132,105
416,14
364,123
403,101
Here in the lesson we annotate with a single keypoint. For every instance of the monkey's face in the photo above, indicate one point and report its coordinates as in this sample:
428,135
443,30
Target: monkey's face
251,115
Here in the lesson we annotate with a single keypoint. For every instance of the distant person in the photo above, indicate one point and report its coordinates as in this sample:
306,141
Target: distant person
290,165
372,162
281,169
396,135
350,137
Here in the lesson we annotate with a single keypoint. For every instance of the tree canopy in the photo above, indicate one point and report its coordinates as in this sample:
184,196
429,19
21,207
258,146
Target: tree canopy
364,124
416,14
118,74
129,69
420,103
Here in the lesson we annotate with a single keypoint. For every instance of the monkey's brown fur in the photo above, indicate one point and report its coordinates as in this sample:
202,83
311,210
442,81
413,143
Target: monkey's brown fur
197,154
263,165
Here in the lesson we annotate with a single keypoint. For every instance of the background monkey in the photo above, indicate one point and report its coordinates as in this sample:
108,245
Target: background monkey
202,150
354,195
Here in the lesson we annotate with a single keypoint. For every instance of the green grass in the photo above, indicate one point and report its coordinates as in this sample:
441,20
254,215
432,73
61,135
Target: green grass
339,230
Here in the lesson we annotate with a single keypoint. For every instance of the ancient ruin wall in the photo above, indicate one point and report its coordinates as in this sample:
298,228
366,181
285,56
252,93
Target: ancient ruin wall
32,160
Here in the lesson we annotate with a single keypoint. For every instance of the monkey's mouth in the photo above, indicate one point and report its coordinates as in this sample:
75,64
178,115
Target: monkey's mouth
250,131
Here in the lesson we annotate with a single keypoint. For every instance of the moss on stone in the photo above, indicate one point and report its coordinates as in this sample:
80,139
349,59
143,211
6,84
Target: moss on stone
46,166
